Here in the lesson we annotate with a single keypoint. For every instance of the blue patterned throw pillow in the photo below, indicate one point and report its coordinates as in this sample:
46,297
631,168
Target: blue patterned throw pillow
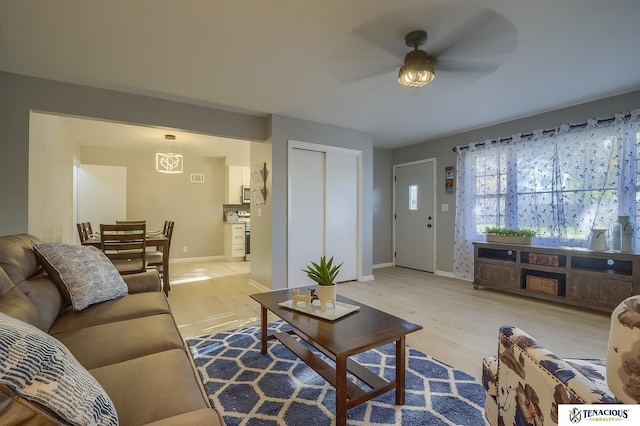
83,273
42,372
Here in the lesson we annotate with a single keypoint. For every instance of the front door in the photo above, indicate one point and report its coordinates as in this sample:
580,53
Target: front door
414,206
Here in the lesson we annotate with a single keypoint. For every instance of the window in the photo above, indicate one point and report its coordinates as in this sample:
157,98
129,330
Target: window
413,197
559,183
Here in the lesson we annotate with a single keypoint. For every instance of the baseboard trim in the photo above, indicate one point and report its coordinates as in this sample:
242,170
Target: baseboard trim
450,275
367,278
195,259
382,265
259,286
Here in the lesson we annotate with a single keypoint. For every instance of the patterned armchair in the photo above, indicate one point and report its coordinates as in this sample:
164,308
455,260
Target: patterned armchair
525,383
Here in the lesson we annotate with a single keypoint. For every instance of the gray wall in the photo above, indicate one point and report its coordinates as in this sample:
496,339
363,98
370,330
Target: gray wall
284,129
21,94
442,149
382,206
261,216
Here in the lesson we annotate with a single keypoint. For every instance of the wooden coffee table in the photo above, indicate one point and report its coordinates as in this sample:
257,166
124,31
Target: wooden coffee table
339,339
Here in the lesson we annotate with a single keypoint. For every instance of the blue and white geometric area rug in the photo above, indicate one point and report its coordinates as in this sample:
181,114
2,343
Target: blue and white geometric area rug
248,388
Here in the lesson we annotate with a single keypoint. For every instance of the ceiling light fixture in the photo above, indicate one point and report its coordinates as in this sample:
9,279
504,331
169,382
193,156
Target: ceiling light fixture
170,160
417,69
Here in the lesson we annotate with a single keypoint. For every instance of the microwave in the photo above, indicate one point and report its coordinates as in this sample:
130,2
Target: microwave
246,194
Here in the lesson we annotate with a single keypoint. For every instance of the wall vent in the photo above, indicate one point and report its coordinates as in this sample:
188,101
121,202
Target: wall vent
197,177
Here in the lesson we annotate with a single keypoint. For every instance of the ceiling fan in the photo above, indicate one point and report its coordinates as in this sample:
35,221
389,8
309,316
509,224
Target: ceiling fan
464,43
418,68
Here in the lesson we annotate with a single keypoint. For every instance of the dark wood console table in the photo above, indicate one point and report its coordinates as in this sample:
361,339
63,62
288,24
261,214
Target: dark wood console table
575,276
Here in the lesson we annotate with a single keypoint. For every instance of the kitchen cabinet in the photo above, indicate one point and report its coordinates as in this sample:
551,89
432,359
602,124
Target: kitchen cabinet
591,279
235,178
234,241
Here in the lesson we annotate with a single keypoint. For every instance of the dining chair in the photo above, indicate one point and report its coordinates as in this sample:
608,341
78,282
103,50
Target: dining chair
155,258
125,245
84,231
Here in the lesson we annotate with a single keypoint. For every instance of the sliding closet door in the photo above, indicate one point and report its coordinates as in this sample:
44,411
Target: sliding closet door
306,212
323,211
341,219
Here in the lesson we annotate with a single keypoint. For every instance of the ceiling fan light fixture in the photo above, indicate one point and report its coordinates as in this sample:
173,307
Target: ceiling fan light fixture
417,69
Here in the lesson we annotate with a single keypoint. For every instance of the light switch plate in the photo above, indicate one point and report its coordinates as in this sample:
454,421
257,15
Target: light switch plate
445,207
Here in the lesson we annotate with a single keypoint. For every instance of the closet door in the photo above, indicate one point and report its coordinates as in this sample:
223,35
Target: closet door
306,213
323,212
341,208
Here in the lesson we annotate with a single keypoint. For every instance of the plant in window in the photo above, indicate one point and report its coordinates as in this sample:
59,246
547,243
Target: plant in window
496,230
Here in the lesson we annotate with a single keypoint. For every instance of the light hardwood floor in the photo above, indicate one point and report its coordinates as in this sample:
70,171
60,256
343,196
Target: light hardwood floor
460,323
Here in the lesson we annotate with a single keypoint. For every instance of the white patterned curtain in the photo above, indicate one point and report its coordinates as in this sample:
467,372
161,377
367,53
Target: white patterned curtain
560,183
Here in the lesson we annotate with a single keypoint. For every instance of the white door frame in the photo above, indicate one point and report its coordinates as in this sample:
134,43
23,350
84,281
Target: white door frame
293,144
435,203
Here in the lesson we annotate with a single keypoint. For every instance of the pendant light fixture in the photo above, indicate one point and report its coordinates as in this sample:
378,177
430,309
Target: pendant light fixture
170,160
417,69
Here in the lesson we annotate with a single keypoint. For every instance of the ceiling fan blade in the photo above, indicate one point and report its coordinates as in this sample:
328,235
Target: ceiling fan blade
356,74
461,65
485,34
458,36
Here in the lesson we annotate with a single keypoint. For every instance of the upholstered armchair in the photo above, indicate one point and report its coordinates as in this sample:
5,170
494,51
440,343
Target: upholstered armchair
525,383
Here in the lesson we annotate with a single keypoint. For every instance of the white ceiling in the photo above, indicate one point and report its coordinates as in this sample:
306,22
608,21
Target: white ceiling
335,61
129,137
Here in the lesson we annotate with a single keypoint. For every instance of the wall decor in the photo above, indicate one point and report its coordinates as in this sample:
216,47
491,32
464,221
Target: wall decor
259,175
449,180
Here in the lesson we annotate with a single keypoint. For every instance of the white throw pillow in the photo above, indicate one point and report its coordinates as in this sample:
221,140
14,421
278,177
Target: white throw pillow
41,371
83,273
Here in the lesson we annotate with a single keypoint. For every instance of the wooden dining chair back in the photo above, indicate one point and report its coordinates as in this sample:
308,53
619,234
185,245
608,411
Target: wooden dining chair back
168,230
84,231
156,258
125,245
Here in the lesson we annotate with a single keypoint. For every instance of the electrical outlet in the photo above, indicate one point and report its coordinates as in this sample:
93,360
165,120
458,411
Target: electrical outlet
185,249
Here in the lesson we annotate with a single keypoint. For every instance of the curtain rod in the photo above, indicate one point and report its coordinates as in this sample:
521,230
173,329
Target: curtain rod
544,132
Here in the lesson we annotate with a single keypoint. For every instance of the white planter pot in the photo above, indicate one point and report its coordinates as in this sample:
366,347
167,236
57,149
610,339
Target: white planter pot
327,293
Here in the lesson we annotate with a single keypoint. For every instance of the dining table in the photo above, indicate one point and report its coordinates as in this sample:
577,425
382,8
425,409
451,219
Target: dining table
152,239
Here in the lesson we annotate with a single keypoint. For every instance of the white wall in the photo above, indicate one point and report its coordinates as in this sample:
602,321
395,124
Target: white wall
51,152
102,194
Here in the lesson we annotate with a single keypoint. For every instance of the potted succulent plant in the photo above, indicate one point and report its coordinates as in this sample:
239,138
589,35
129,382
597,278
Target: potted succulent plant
324,274
496,234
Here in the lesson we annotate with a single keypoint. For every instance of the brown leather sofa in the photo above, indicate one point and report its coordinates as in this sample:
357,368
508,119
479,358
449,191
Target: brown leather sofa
131,345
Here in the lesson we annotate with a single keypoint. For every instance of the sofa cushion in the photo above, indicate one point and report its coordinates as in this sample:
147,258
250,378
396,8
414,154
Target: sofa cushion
14,303
144,389
125,339
83,273
17,257
132,306
42,372
623,362
45,296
